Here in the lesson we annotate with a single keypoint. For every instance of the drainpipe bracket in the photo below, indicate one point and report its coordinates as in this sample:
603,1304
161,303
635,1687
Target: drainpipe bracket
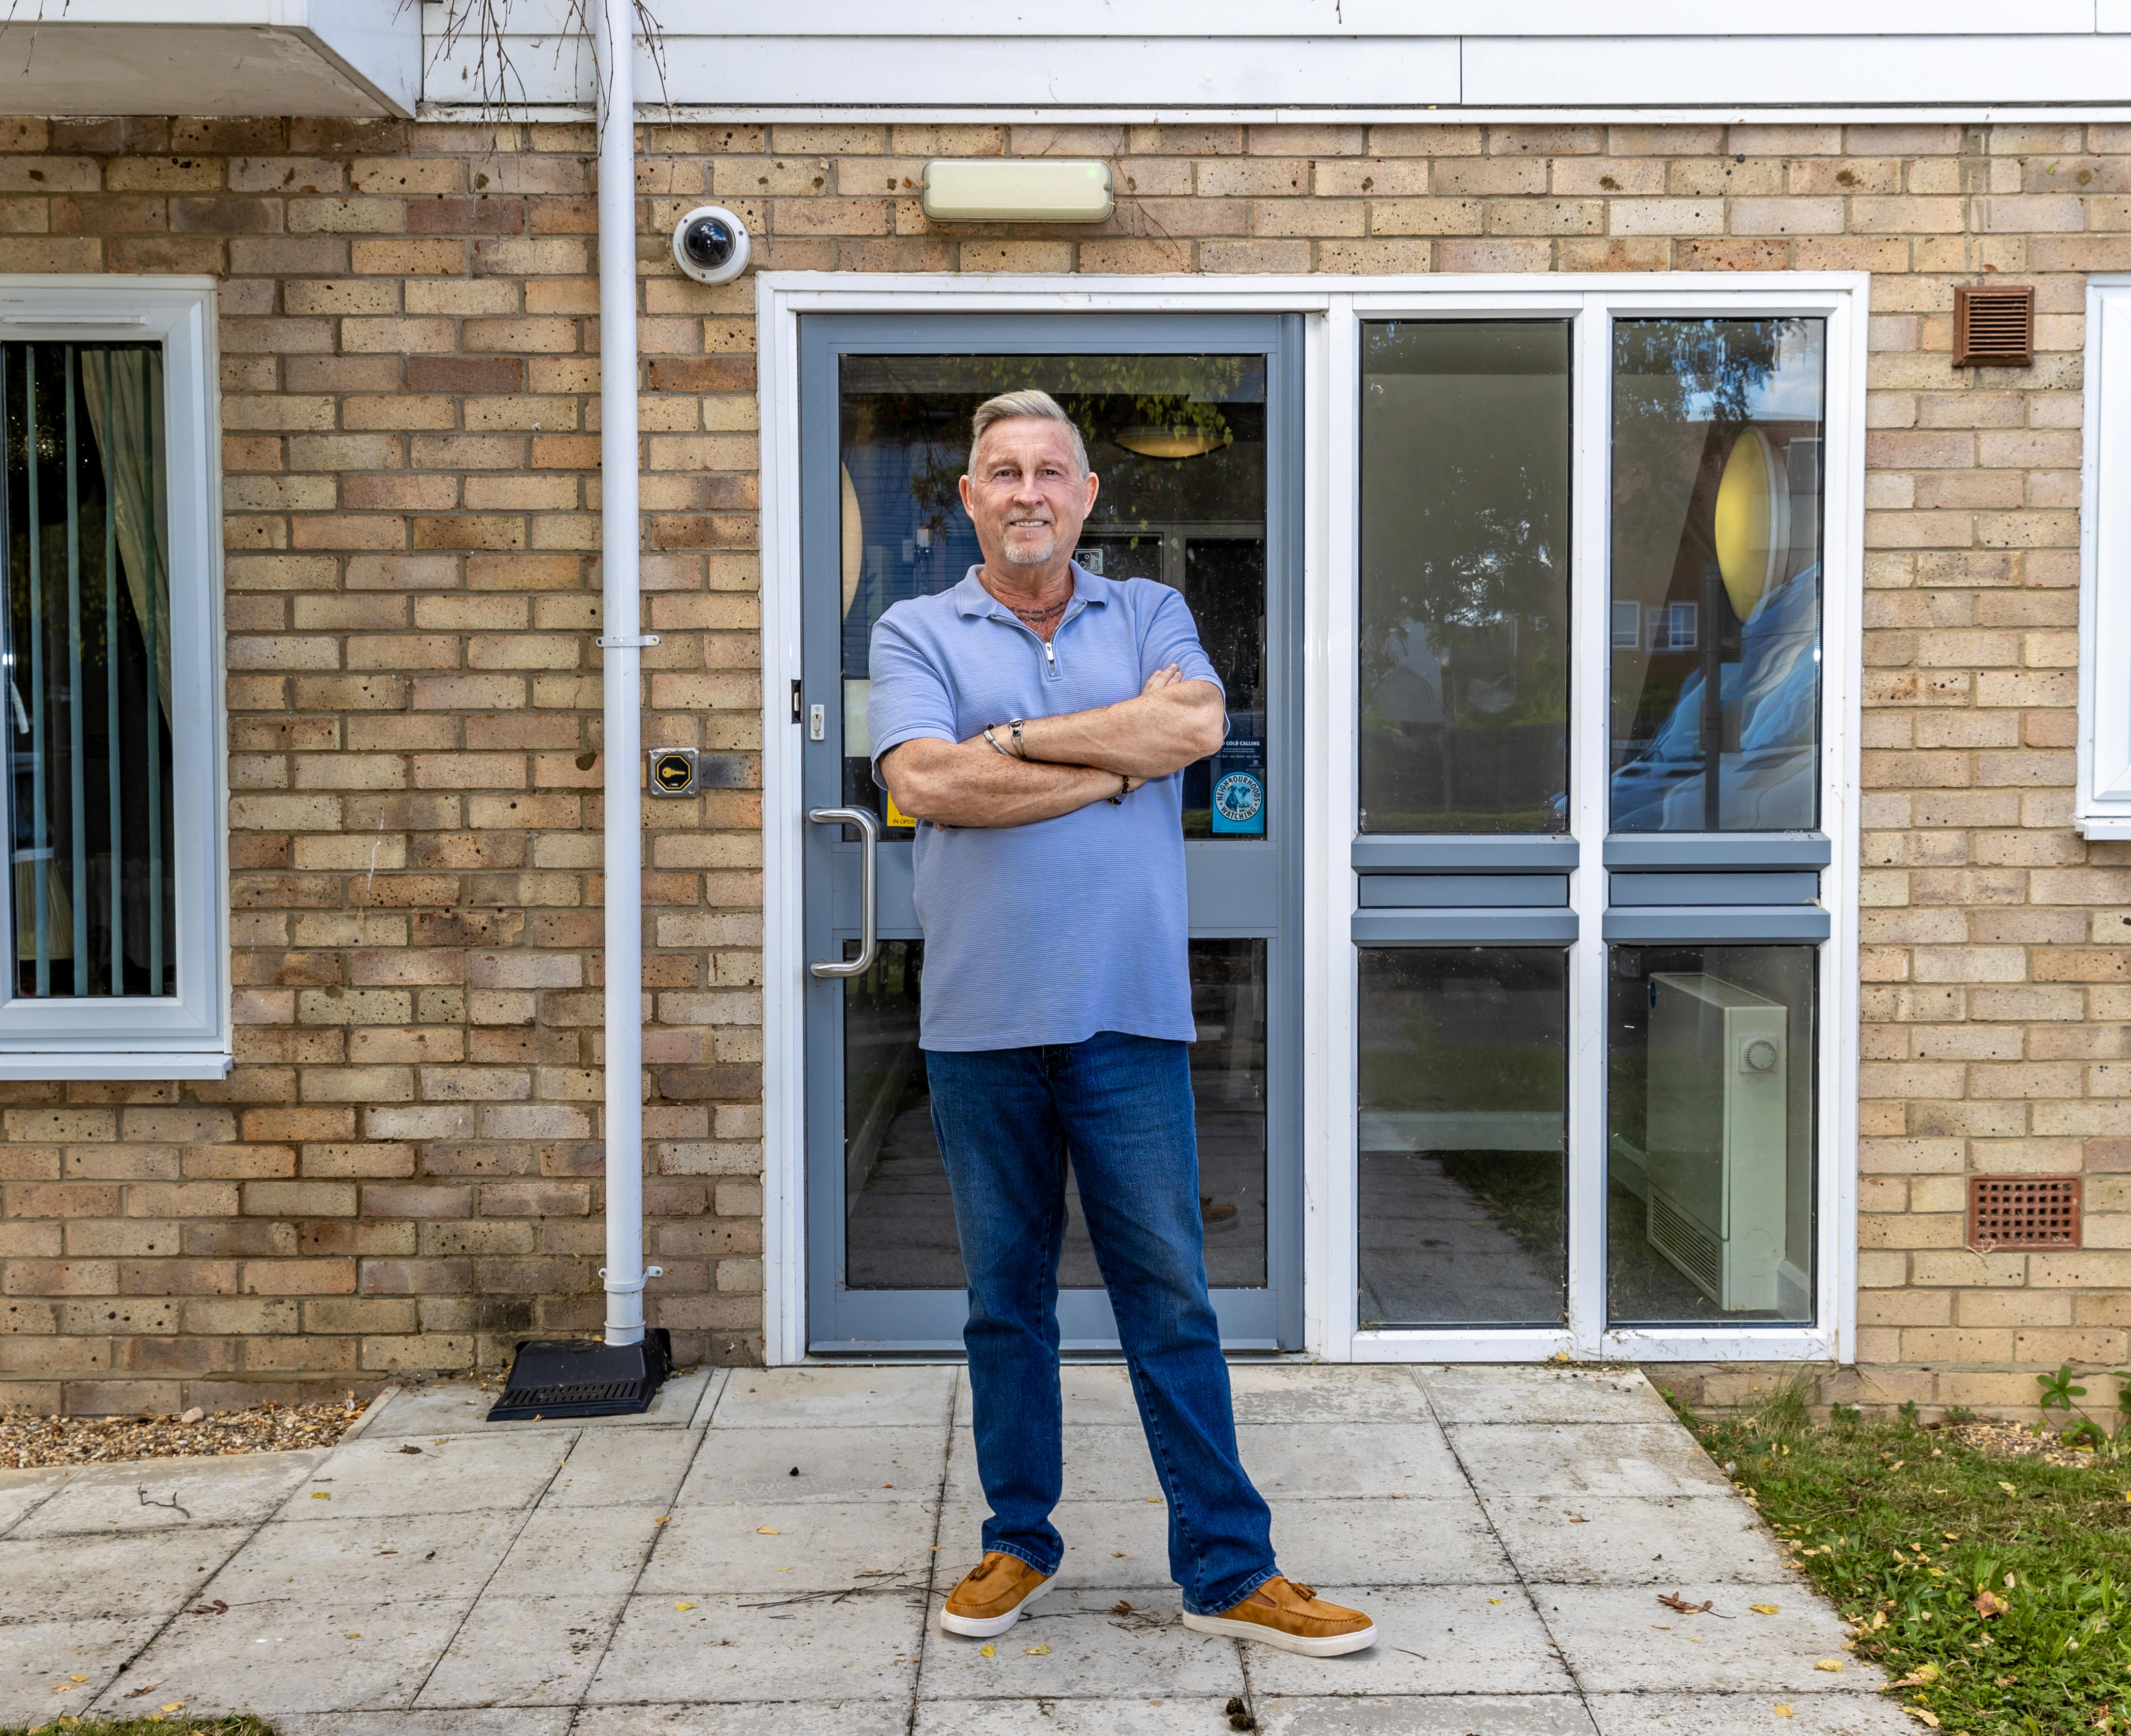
639,639
623,1290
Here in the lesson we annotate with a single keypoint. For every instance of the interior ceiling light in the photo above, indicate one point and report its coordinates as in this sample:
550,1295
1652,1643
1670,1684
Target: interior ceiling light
1753,520
1150,441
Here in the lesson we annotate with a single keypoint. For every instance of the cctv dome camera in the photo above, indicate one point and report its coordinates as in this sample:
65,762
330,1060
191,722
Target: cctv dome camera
711,245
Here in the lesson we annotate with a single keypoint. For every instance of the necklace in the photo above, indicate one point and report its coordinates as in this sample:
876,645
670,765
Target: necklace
1033,615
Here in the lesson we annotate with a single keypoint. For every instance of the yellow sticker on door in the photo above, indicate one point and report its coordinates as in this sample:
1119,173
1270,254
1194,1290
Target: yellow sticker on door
896,816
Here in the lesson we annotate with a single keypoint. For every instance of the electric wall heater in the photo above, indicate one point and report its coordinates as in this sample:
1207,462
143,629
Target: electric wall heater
1718,1138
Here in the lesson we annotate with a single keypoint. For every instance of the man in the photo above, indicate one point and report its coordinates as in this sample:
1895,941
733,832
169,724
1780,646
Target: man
1034,720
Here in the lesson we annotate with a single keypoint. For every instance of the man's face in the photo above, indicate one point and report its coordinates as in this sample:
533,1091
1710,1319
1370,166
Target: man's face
1025,494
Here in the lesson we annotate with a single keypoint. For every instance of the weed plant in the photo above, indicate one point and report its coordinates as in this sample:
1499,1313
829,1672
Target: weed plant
1996,1590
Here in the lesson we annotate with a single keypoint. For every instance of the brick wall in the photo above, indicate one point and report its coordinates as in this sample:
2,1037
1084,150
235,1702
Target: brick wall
403,1171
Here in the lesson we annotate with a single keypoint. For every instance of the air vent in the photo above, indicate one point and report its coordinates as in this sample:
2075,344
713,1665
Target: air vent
1994,327
2008,1211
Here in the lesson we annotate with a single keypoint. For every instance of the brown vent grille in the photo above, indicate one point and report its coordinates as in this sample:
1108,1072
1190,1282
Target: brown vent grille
2023,1211
1994,327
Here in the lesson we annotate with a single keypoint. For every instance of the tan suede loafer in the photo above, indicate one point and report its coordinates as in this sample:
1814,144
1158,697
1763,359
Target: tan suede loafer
1282,1614
990,1600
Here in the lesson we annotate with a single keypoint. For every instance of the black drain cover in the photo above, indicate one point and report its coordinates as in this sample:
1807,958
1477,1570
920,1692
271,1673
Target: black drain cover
581,1377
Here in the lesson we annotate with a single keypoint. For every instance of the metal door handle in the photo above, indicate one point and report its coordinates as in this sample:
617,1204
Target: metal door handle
869,876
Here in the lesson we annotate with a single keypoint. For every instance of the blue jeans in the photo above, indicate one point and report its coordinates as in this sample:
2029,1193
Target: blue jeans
1121,1106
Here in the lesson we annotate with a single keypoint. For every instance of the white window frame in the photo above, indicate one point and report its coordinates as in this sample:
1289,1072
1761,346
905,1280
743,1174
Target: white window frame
186,1036
1334,309
2102,807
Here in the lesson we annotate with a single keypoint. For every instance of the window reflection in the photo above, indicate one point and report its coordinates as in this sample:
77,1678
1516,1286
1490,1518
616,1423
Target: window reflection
1463,1137
1710,1121
1464,545
1714,618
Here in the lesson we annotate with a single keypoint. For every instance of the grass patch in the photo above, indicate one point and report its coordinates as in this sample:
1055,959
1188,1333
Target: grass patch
1908,1529
241,1725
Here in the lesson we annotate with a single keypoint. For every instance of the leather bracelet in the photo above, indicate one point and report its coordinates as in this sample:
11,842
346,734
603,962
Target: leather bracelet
994,740
1124,789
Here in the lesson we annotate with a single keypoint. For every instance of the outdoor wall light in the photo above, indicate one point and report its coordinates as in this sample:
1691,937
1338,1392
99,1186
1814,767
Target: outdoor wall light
711,245
1005,190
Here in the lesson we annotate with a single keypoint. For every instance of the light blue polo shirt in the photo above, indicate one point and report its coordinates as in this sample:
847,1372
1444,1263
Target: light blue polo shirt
1046,933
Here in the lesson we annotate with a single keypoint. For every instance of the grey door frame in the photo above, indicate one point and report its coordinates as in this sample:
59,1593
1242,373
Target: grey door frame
1233,875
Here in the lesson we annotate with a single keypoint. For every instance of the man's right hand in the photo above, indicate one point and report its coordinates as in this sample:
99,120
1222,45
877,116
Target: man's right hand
968,783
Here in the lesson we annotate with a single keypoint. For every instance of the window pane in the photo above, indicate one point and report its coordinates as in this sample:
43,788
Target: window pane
1464,1103
1465,676
1714,606
1178,443
899,1218
87,707
1709,1205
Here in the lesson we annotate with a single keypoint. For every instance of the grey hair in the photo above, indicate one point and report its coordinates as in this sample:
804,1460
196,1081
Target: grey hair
1019,406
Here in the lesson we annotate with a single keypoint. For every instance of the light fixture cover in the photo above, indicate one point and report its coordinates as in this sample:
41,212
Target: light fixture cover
1753,520
1017,191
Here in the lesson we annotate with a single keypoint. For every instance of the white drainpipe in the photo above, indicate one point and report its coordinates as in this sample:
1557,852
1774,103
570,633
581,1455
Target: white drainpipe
620,640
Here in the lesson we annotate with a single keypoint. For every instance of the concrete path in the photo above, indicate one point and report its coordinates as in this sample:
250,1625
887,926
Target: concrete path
768,1551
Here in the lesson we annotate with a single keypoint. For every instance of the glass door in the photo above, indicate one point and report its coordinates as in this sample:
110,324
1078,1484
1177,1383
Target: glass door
1587,842
1189,421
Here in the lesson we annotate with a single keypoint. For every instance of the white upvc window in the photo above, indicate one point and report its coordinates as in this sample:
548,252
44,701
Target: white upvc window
2104,801
116,902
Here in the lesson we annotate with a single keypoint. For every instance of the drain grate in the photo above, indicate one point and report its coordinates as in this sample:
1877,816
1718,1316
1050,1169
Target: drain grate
562,1377
2011,1211
546,1398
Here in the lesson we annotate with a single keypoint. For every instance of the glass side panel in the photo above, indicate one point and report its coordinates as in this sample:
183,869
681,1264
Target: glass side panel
1463,1136
1180,444
1464,550
1709,1198
899,1218
1714,616
87,708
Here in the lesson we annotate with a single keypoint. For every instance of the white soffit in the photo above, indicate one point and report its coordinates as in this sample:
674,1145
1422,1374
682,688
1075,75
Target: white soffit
210,57
1290,59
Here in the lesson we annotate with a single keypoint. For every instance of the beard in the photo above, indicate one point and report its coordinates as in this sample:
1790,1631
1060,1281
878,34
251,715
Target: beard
1029,554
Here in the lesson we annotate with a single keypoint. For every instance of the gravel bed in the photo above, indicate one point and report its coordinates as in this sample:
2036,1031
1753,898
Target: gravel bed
27,1442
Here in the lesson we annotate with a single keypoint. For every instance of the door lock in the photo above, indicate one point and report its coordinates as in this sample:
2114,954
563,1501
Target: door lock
818,723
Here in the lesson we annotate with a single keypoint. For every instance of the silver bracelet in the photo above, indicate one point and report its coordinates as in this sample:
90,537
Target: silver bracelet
1020,746
994,740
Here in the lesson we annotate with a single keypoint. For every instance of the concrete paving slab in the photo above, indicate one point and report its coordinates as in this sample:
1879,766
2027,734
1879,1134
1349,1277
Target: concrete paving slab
1432,1639
1096,1393
718,1649
778,1551
1748,1715
1325,1393
707,1400
901,1396
515,1651
127,1573
1093,1653
460,1407
1386,1542
422,1558
1559,1459
460,1721
455,1473
1477,1393
590,1551
39,1661
616,1468
1101,1464
297,1654
1608,1541
240,1490
1441,1714
1120,1543
1162,1715
1323,1459
1621,1639
808,1717
886,1464
22,1492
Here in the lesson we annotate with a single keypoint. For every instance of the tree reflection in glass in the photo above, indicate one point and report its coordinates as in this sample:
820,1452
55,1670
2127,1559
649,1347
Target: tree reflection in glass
1715,605
1464,546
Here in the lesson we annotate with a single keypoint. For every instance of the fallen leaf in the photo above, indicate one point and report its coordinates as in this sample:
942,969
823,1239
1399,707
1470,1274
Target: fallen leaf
1121,1608
662,1519
1989,1603
137,1692
411,1448
320,1494
1833,1666
1922,1715
987,1650
767,1531
1038,1650
1154,1500
175,1705
684,1606
1673,1600
1782,1711
351,1636
1763,1609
